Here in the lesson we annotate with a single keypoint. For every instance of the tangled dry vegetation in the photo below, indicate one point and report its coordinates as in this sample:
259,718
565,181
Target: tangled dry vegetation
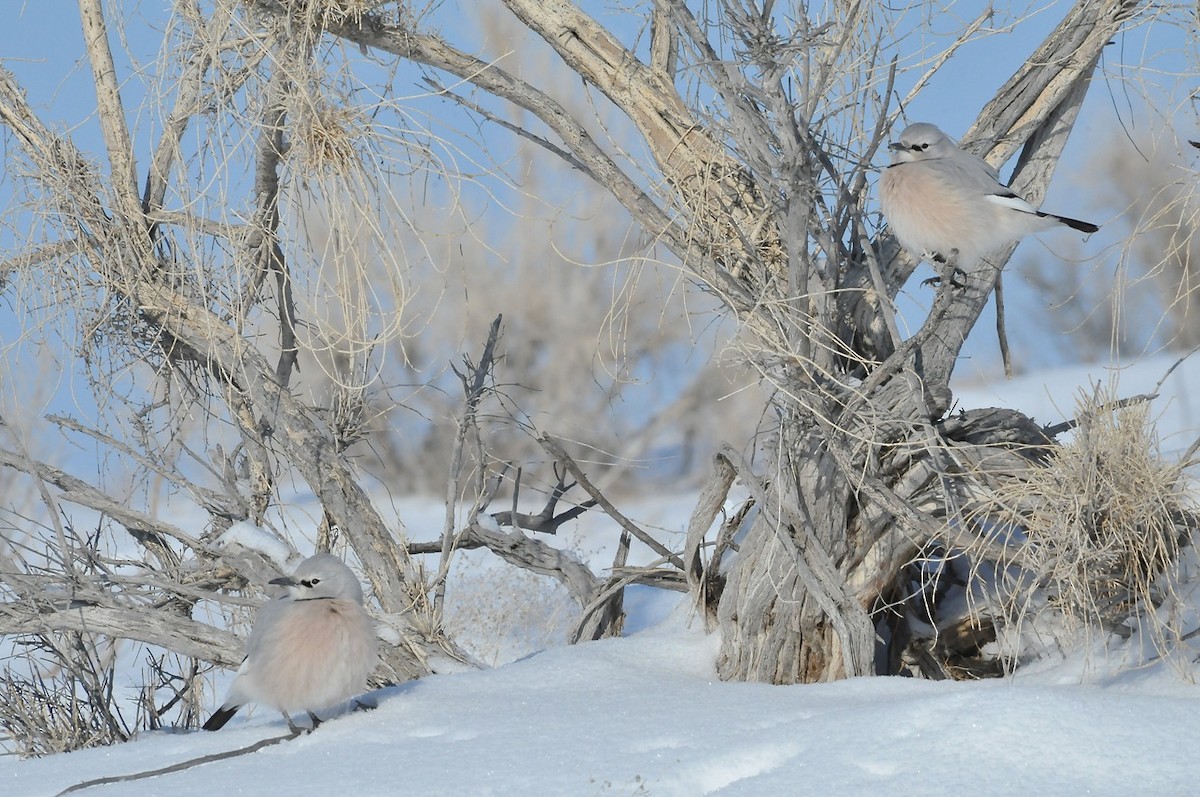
1083,541
1097,531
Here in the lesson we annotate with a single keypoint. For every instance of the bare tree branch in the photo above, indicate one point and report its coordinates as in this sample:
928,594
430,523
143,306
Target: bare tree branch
555,449
145,625
111,113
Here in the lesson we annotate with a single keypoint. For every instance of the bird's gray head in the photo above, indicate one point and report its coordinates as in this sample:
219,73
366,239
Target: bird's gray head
322,576
921,141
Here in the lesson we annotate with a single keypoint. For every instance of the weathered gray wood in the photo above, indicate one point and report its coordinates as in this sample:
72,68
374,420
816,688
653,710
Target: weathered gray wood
146,624
708,505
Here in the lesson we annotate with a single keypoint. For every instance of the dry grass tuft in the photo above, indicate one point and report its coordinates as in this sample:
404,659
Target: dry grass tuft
324,139
319,14
1096,532
66,708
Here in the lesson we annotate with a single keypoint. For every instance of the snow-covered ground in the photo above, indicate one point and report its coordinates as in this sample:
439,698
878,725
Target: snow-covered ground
645,714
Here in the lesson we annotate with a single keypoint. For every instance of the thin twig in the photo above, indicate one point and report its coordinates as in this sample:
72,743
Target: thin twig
182,765
544,522
516,130
1111,406
555,449
1001,329
474,381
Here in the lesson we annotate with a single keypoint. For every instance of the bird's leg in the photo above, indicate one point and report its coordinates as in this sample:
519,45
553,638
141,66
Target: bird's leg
361,706
297,730
315,721
941,262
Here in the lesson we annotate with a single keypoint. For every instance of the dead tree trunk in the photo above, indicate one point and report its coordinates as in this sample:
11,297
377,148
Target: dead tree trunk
787,613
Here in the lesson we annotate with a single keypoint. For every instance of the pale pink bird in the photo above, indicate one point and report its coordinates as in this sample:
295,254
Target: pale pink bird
940,201
310,649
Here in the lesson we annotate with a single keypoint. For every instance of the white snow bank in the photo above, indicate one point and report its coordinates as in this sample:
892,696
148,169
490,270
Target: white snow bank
645,715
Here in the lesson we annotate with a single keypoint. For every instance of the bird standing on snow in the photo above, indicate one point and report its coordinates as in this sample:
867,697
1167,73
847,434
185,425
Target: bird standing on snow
938,199
310,649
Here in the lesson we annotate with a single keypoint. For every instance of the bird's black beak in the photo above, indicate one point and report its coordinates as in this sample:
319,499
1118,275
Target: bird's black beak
286,581
896,145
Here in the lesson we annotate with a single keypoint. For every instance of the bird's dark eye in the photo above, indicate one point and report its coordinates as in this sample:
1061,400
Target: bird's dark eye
922,146
312,582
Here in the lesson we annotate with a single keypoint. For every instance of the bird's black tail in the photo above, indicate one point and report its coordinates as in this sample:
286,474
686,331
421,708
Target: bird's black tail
220,717
1075,224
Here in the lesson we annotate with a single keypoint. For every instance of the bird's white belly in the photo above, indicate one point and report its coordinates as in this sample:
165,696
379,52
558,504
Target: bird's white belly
929,216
